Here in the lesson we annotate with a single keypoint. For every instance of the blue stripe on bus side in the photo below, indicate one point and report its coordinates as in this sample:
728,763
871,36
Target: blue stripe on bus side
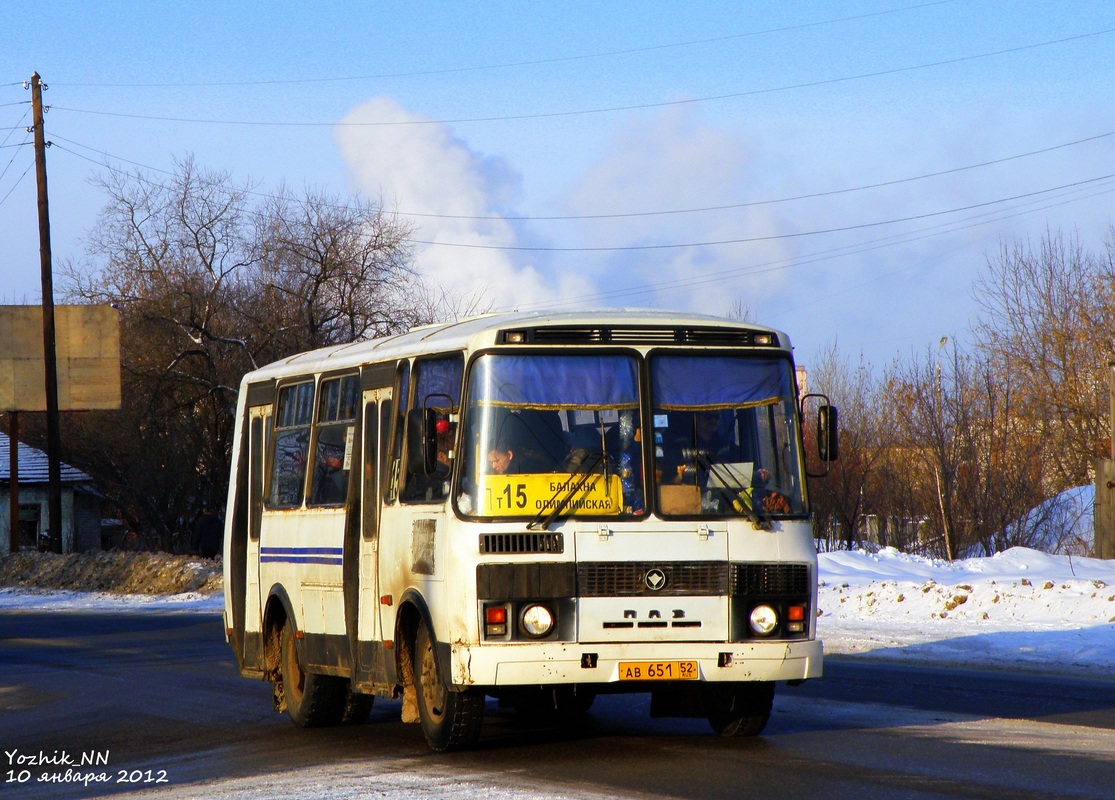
302,555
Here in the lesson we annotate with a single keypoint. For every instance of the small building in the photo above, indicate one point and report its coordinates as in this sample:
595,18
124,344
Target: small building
81,507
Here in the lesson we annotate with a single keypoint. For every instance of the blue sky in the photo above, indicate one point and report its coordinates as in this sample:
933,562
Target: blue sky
699,156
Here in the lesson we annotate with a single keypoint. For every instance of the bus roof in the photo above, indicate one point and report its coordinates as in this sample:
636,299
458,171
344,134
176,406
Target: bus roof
482,331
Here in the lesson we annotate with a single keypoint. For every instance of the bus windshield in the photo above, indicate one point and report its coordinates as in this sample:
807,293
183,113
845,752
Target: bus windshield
552,435
725,436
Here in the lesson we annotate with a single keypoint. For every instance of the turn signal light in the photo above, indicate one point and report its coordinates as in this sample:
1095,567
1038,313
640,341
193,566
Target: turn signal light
495,615
795,613
495,621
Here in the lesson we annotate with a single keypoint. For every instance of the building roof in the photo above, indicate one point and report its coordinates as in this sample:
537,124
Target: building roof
33,465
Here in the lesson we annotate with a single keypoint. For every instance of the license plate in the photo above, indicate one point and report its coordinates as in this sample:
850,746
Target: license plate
658,671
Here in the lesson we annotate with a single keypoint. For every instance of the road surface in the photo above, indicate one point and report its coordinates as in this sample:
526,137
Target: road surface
153,701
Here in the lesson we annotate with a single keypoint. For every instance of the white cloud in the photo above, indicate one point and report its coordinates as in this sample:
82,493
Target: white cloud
422,169
667,160
672,160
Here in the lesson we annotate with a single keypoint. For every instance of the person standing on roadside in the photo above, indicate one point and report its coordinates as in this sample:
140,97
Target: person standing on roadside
209,534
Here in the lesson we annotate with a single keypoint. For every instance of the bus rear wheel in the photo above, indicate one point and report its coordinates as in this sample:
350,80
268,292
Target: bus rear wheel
450,720
739,709
311,700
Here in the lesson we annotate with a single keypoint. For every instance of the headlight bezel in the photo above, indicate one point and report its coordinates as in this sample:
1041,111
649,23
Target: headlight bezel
763,620
537,621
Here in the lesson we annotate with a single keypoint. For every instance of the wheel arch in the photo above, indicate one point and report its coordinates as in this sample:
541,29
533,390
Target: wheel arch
413,612
277,611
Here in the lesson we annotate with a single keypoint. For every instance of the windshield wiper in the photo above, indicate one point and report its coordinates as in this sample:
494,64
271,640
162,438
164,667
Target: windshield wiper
568,490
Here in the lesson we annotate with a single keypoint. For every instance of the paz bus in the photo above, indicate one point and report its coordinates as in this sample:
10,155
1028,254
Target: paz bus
533,507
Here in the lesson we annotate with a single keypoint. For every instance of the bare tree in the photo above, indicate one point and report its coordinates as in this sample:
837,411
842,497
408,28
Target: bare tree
211,283
841,499
925,407
1000,461
333,272
1048,317
977,466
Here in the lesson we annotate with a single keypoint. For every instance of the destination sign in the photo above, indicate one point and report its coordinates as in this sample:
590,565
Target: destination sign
541,493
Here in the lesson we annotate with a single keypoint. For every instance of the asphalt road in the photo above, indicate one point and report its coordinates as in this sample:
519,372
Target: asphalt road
155,702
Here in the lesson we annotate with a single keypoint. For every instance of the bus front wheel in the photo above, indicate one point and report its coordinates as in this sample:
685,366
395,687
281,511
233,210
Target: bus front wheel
450,720
311,700
739,709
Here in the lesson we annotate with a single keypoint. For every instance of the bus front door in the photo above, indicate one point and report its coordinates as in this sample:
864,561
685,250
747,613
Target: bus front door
369,656
258,421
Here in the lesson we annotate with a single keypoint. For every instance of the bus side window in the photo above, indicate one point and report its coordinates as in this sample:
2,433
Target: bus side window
371,470
336,425
401,394
255,476
437,386
386,412
291,440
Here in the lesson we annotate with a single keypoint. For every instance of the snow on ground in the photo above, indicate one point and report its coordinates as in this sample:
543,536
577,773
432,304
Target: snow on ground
1020,608
66,600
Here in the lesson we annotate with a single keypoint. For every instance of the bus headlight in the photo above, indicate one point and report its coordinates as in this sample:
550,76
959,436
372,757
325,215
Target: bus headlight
764,620
536,621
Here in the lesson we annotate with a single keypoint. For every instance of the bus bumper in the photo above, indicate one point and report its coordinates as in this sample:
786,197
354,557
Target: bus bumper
568,662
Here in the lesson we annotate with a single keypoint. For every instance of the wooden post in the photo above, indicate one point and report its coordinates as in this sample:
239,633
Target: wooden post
13,481
1103,520
50,355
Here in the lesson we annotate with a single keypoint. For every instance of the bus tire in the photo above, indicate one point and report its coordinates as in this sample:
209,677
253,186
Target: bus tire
311,700
450,720
739,709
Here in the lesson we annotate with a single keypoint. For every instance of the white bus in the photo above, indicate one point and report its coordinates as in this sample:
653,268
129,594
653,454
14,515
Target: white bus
537,508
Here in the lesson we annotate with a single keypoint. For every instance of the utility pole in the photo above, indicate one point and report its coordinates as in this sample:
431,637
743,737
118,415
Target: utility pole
1103,521
53,435
13,481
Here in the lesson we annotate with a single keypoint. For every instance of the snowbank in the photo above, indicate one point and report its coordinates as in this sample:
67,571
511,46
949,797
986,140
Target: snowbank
1018,608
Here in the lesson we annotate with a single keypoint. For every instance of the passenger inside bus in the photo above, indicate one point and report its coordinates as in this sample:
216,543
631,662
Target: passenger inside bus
501,459
704,453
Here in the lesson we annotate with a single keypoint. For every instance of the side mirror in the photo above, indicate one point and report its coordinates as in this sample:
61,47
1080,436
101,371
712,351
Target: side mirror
827,439
421,441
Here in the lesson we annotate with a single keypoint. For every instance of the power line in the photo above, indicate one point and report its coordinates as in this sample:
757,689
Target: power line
55,136
21,144
749,240
1070,193
636,214
977,220
792,198
603,110
520,64
18,181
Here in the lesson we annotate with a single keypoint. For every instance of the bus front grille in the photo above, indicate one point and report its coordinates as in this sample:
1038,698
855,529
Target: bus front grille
652,578
770,579
691,578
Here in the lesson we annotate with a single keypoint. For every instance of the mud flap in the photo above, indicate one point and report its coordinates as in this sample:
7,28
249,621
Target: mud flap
410,704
